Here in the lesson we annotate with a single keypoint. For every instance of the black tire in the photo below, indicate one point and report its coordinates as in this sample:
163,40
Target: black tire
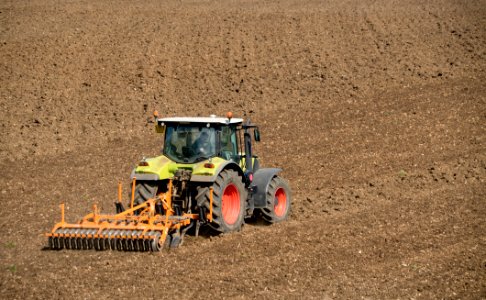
278,201
144,190
229,189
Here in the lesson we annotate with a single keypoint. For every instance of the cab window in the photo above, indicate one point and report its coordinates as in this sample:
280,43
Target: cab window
229,148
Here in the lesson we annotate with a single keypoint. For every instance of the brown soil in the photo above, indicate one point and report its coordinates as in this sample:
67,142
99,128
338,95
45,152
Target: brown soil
375,109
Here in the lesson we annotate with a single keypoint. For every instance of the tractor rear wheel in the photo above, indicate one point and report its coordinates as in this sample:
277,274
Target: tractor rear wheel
277,201
229,198
144,190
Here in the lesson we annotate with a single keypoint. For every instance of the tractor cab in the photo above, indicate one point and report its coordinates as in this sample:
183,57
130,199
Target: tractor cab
191,143
192,140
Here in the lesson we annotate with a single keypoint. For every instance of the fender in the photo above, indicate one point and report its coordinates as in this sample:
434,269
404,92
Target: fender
144,177
221,167
259,185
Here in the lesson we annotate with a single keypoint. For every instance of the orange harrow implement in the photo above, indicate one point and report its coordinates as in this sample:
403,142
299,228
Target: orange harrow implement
149,226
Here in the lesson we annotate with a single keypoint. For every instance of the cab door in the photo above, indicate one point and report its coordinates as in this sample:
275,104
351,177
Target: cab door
229,144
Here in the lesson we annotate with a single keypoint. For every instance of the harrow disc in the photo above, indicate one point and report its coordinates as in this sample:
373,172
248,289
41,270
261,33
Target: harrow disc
57,245
106,239
84,244
90,243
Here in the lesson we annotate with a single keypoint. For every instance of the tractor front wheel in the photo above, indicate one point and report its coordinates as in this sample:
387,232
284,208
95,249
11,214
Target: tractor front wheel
277,201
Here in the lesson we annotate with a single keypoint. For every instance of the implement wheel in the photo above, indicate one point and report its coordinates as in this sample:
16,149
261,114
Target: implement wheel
229,198
277,201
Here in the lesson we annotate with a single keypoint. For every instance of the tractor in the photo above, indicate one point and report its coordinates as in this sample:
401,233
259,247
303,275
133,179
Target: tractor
206,175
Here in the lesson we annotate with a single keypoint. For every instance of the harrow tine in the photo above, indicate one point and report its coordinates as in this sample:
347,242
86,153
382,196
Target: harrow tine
67,238
129,244
67,245
132,240
146,245
135,245
106,244
59,243
113,243
96,243
118,244
53,243
72,241
124,243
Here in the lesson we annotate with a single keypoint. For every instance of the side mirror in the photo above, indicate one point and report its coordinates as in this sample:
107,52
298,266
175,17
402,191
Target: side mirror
256,134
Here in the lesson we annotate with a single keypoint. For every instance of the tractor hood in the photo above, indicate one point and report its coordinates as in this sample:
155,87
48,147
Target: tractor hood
161,167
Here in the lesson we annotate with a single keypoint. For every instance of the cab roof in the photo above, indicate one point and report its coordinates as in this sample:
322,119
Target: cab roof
202,120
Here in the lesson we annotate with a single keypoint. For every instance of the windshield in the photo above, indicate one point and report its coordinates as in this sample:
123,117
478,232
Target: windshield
189,143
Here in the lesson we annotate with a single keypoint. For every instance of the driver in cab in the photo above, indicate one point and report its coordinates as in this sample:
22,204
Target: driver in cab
202,144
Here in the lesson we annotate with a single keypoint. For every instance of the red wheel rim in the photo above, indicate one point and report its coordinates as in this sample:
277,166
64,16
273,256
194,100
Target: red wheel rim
280,202
231,204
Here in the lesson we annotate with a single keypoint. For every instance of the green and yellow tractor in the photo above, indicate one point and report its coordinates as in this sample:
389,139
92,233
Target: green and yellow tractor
206,175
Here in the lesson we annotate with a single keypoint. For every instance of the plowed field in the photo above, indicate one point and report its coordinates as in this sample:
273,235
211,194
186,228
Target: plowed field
376,111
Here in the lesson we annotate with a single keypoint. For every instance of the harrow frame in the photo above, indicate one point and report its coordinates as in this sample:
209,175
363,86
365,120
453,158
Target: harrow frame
149,226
